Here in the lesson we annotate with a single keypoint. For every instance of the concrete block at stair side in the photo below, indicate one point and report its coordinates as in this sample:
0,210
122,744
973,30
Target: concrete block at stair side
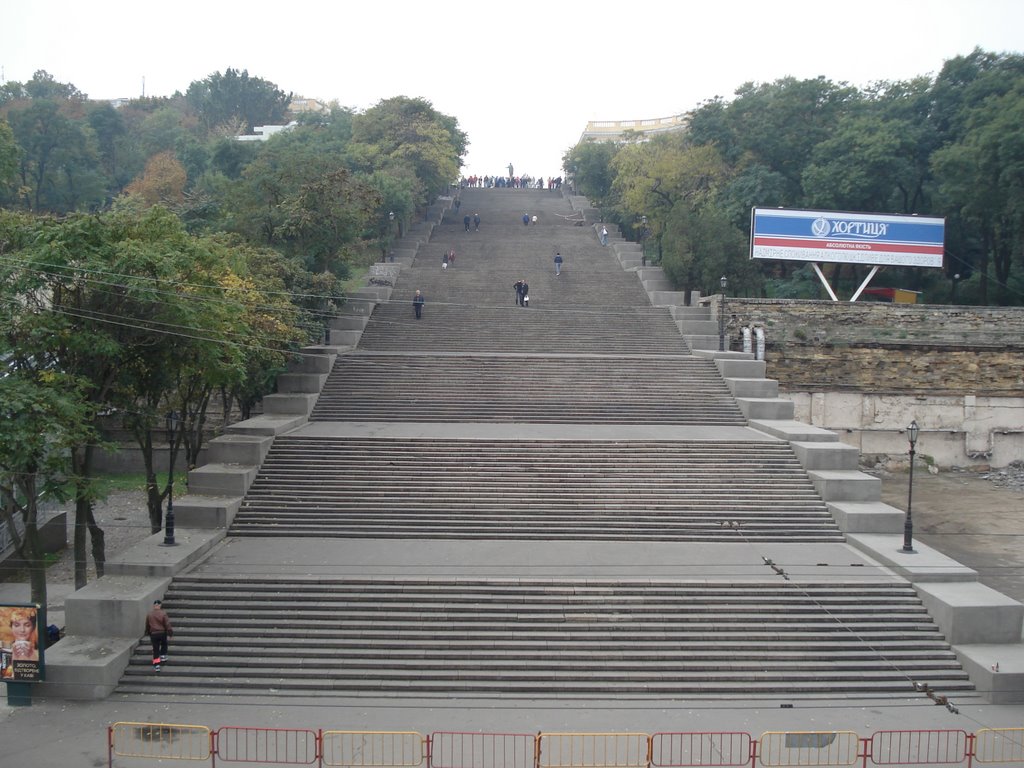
970,612
789,429
766,408
349,338
301,382
221,479
86,668
358,307
290,403
700,342
815,455
267,424
867,517
666,298
755,388
195,511
749,368
846,485
311,363
112,606
239,449
995,669
152,558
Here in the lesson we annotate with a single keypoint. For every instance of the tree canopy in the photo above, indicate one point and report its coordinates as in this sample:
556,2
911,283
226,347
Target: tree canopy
946,146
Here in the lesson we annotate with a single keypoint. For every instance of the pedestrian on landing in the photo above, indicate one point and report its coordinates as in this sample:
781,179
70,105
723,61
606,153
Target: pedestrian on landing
518,287
465,220
476,222
158,629
604,235
526,219
526,294
558,263
417,303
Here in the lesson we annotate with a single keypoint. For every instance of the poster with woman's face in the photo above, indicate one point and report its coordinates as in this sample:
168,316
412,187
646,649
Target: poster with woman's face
19,642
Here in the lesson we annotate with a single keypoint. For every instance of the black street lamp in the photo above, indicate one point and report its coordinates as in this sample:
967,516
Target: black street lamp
172,428
721,316
908,523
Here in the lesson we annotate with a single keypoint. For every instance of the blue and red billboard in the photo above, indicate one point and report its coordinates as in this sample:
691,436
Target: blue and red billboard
847,238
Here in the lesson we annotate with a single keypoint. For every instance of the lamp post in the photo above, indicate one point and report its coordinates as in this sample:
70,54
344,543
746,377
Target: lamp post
721,316
643,241
172,428
908,523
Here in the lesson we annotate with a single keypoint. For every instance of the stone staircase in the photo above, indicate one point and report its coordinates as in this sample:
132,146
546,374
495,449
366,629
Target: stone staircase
549,490
591,421
310,636
599,389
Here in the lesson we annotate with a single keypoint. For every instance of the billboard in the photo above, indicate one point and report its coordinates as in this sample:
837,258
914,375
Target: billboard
847,238
20,651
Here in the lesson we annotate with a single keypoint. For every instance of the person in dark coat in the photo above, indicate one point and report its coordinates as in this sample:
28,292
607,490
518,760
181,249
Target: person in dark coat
159,630
465,220
476,222
417,303
525,300
518,287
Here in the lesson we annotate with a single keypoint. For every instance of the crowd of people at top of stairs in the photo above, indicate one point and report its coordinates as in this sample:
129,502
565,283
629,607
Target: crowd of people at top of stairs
510,182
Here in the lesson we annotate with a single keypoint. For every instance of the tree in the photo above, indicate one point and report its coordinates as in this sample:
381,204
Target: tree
590,163
44,415
402,131
235,102
8,162
163,181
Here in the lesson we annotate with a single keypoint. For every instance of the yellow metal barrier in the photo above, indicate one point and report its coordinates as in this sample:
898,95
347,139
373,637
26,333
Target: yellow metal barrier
372,749
456,749
165,741
594,750
999,745
807,748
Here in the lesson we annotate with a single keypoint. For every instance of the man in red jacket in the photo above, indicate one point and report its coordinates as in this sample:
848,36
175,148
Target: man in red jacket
158,628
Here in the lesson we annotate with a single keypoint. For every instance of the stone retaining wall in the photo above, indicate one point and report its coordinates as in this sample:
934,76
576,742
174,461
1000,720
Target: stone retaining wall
865,370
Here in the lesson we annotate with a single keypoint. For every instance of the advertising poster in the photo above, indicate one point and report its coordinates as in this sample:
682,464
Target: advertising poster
20,650
847,238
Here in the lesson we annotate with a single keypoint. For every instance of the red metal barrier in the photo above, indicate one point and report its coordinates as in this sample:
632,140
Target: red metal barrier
693,749
454,749
281,746
940,747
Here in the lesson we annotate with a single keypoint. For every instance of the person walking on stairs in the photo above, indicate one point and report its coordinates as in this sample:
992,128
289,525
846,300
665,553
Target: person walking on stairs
526,219
558,263
526,295
476,222
517,286
158,629
465,220
417,303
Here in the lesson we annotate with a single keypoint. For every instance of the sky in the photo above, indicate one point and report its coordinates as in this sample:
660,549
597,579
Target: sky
522,78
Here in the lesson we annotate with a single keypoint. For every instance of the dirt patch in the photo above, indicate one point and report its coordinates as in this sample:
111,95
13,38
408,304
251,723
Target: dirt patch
975,518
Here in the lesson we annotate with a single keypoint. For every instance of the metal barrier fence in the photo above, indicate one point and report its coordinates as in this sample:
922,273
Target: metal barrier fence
136,743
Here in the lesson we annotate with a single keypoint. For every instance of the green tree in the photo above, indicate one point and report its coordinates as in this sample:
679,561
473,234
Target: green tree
409,132
590,164
232,101
44,415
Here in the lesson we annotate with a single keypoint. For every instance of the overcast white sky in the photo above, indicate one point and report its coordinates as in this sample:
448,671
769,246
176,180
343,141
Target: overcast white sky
522,78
